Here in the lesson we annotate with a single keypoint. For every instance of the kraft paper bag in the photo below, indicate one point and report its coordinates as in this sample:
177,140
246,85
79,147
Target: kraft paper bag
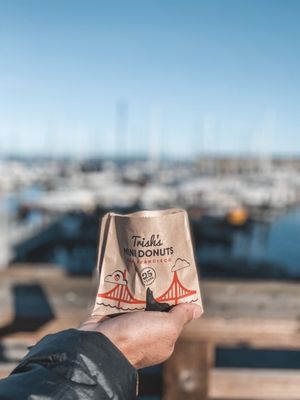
146,262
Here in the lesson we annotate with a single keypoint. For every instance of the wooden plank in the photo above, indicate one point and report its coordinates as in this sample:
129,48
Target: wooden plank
239,384
260,314
186,372
254,384
69,300
251,299
245,332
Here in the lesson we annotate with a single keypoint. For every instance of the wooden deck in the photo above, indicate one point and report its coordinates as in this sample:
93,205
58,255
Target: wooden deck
36,301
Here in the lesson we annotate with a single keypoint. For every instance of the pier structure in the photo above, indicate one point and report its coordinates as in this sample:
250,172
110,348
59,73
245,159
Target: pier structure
258,315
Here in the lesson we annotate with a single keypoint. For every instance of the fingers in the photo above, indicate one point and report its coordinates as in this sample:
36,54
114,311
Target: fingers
183,313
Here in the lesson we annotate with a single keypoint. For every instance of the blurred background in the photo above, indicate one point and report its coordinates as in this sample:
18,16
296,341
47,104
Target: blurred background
127,105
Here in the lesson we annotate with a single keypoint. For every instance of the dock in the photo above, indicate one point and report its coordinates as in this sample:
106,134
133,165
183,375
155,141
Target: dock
39,300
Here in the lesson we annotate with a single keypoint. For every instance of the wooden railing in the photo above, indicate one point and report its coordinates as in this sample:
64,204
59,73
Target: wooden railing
249,314
262,315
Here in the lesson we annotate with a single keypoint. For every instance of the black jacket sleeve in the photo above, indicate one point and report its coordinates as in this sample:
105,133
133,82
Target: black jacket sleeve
72,365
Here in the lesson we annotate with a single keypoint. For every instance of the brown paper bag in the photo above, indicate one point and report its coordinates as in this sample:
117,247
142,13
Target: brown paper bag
146,262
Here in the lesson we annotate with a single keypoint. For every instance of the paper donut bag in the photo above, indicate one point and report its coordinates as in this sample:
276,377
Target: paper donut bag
146,262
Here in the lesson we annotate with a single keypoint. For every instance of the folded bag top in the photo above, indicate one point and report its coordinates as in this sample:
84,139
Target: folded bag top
146,262
150,213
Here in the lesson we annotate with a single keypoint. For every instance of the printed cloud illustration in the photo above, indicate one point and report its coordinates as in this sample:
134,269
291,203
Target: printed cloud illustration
179,264
116,277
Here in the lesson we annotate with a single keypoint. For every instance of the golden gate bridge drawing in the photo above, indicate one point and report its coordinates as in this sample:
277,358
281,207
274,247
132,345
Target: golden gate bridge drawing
176,291
122,295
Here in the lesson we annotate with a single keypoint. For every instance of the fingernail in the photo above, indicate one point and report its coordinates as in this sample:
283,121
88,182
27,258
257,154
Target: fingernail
197,312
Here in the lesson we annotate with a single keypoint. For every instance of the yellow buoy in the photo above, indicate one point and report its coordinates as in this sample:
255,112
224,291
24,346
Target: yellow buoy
238,216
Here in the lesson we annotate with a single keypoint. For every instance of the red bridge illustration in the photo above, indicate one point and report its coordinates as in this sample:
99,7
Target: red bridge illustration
121,293
176,291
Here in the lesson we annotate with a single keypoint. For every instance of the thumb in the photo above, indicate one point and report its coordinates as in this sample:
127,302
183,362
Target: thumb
183,313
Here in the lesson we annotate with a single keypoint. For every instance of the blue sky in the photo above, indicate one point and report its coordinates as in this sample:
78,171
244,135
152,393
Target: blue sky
192,77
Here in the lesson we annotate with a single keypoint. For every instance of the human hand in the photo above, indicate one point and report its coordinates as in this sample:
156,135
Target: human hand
145,338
